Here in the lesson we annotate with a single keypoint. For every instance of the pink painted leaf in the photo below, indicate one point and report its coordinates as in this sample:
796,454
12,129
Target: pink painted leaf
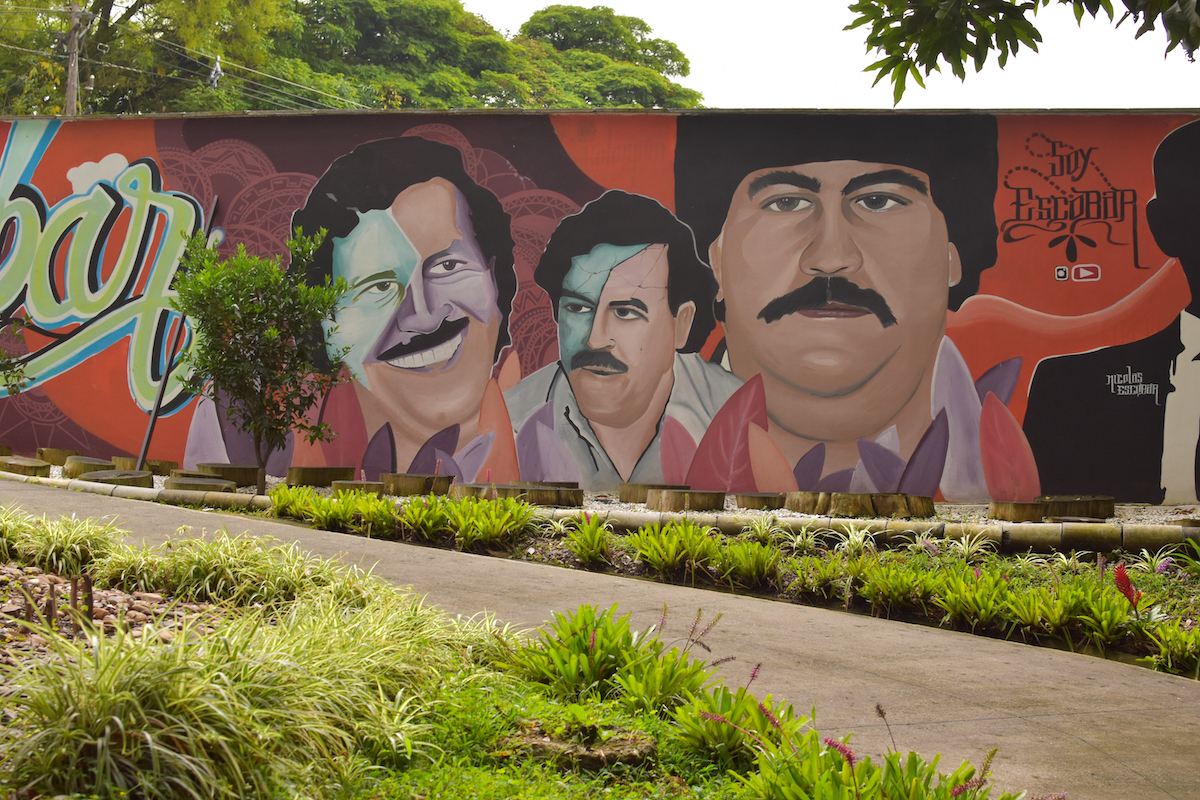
924,471
1000,380
1012,474
722,460
678,448
884,467
769,464
809,468
494,419
425,461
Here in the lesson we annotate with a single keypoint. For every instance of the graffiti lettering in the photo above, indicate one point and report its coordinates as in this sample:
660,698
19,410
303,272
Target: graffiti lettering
1129,383
79,284
1113,205
1068,161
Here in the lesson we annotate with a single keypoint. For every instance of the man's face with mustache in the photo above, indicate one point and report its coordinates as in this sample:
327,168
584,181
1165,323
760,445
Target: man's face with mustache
616,335
420,316
835,278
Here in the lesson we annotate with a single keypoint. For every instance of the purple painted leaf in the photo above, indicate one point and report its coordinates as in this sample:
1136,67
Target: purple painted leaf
809,468
425,462
860,481
890,439
380,455
884,467
924,471
677,449
836,481
446,465
722,461
541,454
472,457
1000,380
963,480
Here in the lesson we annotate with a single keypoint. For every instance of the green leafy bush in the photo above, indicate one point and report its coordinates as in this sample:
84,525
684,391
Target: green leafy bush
590,539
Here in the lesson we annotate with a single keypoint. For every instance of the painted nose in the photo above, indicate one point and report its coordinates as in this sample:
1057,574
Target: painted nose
417,313
832,250
599,338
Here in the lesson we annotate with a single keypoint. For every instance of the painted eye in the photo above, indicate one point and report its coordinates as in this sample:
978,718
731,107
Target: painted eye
447,267
627,313
880,202
575,307
789,203
379,287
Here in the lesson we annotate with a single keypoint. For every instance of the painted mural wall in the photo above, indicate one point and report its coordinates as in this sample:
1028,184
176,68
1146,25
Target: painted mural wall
970,306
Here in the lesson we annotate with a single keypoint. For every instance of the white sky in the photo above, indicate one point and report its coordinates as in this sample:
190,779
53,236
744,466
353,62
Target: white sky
794,54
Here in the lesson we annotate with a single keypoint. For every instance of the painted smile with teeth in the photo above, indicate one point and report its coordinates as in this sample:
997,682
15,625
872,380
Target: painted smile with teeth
428,349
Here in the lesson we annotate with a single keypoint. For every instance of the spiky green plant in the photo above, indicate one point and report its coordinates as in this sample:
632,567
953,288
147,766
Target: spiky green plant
67,545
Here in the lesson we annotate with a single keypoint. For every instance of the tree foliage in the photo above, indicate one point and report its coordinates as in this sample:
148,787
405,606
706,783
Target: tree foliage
162,55
916,37
257,329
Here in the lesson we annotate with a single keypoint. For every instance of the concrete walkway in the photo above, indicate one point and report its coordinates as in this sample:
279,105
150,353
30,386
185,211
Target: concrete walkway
1100,730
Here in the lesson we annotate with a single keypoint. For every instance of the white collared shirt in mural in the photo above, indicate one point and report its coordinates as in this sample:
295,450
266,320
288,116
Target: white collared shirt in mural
1183,417
699,391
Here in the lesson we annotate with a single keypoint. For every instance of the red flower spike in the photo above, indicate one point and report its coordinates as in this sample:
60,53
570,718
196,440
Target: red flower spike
1125,586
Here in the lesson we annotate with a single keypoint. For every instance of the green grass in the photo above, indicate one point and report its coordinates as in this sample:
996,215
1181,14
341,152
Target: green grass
321,682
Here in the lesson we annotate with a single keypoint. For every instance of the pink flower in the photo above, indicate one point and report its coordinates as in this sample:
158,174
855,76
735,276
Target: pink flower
1125,586
842,748
711,717
963,788
754,674
766,712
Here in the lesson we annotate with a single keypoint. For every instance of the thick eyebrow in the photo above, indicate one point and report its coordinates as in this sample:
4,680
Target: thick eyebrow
886,176
378,276
577,296
797,179
633,301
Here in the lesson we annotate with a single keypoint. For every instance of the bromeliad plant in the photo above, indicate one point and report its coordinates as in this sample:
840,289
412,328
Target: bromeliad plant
589,537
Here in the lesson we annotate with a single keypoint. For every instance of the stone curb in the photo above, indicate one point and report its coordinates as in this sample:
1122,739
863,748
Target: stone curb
1009,537
175,497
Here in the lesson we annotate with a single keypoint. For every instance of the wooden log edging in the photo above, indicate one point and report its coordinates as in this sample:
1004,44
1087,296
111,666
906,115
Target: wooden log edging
1011,537
178,497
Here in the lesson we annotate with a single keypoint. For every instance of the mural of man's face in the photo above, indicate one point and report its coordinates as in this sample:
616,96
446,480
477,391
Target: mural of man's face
420,316
835,279
616,335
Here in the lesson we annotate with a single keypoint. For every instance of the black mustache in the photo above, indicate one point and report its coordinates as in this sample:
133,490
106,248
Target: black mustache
598,358
425,341
821,292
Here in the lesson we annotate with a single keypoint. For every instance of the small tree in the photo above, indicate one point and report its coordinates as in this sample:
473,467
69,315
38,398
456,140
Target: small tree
12,368
258,335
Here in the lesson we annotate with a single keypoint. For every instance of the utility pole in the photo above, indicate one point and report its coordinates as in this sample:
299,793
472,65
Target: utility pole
72,100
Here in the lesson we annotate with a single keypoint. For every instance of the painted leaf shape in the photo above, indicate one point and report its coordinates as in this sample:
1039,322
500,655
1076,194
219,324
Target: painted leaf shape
924,471
677,450
380,455
954,391
1000,380
890,439
860,481
884,467
425,461
473,456
809,468
510,372
722,460
444,464
768,463
1012,474
494,420
836,481
541,454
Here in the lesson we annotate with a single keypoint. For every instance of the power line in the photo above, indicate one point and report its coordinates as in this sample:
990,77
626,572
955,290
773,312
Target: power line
189,50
